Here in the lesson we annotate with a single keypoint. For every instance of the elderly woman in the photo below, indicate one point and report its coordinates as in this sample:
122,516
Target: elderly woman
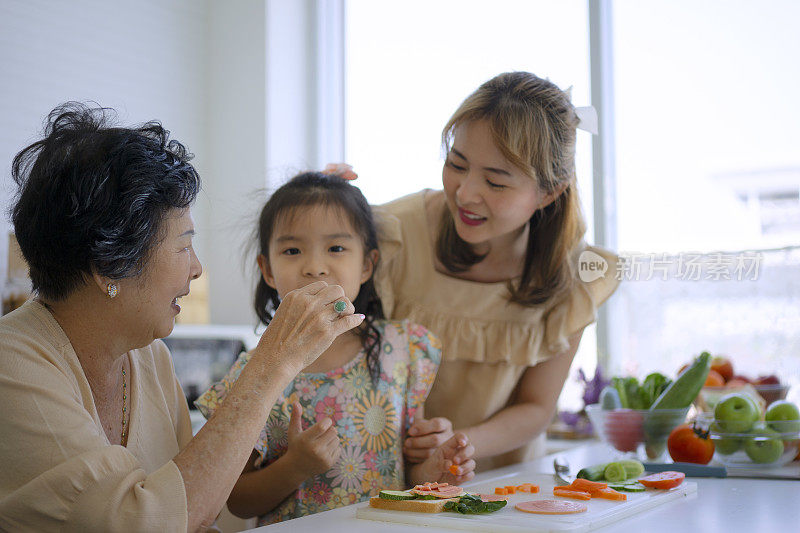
94,428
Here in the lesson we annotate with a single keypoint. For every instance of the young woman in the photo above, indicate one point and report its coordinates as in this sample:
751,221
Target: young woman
490,265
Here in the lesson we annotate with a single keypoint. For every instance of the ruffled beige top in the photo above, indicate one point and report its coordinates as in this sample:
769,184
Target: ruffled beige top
58,471
488,341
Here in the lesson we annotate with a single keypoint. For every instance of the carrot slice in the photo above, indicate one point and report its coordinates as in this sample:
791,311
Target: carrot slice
453,469
576,494
500,490
587,486
534,488
511,489
609,494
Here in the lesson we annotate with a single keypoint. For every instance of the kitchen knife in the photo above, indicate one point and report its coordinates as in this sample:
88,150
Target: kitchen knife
690,469
693,470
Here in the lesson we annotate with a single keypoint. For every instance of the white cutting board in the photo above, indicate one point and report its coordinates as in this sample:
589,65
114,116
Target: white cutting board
599,512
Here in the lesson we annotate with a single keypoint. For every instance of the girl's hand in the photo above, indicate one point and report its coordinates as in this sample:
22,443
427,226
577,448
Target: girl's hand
455,453
305,324
425,436
314,450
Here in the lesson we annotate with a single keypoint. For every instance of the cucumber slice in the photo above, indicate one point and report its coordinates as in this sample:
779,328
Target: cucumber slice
614,472
628,487
396,495
633,468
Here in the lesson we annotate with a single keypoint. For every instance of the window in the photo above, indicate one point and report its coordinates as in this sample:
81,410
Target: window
405,79
708,170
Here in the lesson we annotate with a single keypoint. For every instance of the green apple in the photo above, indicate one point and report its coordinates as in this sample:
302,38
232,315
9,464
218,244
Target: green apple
725,445
784,415
736,413
765,446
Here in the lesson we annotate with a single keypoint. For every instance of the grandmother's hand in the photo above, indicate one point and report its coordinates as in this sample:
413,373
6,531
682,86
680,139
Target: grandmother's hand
305,324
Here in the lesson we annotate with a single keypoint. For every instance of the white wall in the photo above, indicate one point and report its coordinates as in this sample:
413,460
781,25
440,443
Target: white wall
144,59
240,82
262,120
235,132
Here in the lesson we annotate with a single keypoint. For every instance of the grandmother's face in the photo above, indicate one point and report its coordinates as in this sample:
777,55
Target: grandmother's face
172,265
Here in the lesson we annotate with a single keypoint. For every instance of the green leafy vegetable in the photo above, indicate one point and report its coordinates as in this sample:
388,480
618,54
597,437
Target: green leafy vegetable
634,396
652,387
471,504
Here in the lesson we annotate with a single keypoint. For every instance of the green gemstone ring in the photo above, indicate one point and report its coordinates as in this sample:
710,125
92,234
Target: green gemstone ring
339,306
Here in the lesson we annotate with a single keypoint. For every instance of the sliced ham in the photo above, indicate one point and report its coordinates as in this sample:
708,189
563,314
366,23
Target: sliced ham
439,490
551,507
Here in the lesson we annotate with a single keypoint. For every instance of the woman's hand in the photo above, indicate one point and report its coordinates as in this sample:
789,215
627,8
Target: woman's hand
343,170
451,462
425,437
314,450
305,324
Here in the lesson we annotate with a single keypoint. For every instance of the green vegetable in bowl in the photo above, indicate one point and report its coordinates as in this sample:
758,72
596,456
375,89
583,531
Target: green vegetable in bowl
652,387
627,393
628,390
682,392
609,398
662,418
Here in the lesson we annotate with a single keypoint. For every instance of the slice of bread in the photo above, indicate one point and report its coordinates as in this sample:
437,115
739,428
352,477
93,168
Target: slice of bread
415,506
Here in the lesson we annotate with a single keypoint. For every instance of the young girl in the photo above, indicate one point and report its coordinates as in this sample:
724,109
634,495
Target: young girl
491,264
335,435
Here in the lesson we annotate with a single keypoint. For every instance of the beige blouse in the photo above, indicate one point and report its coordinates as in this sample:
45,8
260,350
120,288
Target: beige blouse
58,470
488,342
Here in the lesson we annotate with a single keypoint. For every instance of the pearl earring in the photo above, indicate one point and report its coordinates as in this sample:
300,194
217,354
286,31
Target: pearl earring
112,290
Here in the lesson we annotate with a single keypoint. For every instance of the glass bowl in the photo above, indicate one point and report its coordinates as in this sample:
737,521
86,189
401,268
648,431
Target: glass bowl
630,430
772,393
766,444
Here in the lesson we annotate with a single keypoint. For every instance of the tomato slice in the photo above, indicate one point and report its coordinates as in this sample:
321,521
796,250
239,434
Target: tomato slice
663,480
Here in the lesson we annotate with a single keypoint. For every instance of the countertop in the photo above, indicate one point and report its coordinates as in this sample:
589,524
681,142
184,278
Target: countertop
725,505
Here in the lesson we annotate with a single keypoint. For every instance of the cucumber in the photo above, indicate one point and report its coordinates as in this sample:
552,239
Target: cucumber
396,495
593,473
682,392
631,468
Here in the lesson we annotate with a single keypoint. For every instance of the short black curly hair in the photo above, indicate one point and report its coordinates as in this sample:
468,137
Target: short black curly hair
93,196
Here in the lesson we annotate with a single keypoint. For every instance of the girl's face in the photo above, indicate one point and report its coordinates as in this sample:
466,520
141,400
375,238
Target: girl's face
316,243
488,197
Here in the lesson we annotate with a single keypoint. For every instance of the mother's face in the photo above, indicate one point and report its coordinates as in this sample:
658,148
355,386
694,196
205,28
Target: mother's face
151,299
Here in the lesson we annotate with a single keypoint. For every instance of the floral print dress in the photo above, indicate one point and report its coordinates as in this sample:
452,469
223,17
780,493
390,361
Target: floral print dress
372,421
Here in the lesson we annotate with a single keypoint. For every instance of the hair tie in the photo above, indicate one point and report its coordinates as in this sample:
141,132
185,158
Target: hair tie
587,119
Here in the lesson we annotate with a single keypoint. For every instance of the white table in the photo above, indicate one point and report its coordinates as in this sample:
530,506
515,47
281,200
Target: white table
722,505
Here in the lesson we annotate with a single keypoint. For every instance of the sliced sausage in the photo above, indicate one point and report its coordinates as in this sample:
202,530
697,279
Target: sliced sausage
551,507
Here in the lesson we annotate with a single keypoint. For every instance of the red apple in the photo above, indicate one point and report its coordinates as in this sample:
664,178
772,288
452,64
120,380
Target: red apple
723,366
736,383
772,379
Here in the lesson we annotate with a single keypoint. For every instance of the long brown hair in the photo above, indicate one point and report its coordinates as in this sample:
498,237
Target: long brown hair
533,125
